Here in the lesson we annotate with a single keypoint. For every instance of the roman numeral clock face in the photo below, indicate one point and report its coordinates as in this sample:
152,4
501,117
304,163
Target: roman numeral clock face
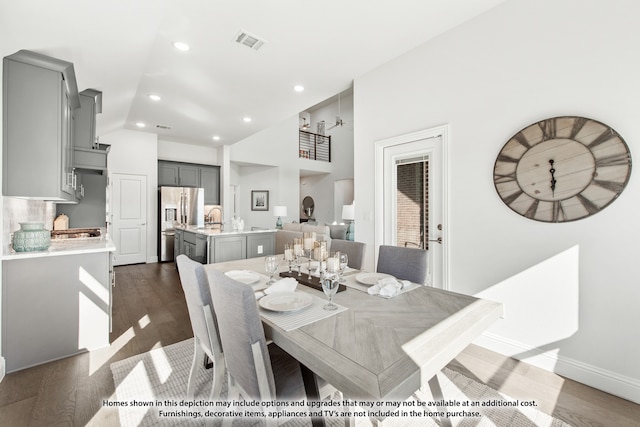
562,169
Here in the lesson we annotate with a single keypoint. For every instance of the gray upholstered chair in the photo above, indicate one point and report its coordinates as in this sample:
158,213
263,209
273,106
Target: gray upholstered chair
403,263
354,250
255,371
203,321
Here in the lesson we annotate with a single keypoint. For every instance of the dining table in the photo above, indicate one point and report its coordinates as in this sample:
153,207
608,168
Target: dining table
373,348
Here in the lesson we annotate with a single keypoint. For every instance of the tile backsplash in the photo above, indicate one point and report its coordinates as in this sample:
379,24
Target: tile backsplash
22,210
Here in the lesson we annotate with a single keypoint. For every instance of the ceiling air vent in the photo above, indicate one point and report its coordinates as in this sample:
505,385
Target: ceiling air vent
165,127
250,40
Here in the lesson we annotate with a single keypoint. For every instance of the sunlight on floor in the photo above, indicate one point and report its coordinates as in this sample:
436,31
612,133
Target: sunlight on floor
144,321
102,356
161,365
138,380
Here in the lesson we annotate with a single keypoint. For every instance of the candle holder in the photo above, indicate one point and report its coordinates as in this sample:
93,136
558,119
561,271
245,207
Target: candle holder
298,252
288,254
309,240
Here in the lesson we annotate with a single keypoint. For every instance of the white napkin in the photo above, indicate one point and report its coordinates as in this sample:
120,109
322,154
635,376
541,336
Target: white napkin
288,284
388,287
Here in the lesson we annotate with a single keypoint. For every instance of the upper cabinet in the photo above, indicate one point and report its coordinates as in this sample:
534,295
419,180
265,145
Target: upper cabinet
176,174
188,176
40,98
89,154
210,181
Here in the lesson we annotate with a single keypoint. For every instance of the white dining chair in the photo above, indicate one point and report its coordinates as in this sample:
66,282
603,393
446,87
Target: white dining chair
203,322
403,263
256,371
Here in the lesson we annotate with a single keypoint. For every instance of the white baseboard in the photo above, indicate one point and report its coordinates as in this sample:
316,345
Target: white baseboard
3,368
611,382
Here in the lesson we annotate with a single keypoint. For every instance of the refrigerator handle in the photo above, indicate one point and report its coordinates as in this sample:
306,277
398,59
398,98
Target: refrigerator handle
181,208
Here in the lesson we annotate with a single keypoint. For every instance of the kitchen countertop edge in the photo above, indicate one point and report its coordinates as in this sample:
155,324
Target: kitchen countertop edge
75,247
217,232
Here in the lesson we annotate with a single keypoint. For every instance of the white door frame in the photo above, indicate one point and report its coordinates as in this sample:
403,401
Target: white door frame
380,146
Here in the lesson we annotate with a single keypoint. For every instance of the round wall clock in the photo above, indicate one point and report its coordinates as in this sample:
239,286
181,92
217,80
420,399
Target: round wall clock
562,169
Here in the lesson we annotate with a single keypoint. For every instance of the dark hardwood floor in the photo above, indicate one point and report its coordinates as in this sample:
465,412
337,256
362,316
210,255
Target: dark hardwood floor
149,311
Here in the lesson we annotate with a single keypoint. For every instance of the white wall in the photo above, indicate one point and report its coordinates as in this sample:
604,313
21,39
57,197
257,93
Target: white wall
267,160
136,153
189,153
571,290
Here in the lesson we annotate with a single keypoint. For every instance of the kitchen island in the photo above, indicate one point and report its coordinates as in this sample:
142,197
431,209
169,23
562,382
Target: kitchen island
57,302
212,245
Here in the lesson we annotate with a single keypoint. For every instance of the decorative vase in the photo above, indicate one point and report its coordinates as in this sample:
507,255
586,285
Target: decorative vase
32,236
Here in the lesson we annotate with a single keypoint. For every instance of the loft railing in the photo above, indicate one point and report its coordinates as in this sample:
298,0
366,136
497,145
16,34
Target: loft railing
314,146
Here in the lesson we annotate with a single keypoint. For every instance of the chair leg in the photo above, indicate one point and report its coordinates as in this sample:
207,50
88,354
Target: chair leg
233,393
218,378
198,359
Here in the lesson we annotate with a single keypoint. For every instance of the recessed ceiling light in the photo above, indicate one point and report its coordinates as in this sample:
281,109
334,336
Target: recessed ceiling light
181,46
246,119
298,88
140,124
154,97
216,138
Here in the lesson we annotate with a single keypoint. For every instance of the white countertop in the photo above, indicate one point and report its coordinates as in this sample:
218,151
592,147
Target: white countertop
66,247
217,232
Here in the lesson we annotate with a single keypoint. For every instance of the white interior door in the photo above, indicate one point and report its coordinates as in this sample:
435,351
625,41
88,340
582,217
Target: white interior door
427,146
130,218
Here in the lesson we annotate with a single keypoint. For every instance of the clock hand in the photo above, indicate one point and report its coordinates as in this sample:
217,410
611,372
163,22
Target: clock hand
553,179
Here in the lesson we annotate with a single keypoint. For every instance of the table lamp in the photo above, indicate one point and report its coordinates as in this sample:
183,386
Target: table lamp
279,211
349,215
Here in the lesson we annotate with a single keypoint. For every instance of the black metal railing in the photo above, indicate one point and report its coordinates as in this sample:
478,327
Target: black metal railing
314,146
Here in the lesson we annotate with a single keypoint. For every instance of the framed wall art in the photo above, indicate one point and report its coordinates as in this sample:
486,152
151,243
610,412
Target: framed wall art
259,200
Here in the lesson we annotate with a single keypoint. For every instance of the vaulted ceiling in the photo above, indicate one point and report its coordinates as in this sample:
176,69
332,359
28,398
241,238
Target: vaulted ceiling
124,48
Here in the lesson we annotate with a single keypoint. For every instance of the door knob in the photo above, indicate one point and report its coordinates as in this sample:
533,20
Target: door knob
438,240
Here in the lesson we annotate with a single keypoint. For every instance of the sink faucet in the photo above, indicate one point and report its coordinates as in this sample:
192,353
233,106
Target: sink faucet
210,216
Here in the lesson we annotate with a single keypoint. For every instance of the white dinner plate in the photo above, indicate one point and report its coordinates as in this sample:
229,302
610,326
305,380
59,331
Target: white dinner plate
243,276
286,301
371,278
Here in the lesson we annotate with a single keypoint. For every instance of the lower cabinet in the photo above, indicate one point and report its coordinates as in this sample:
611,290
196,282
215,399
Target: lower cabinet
240,246
54,306
229,248
178,244
194,245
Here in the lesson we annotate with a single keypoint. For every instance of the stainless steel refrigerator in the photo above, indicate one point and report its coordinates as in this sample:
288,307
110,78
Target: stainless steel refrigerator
177,206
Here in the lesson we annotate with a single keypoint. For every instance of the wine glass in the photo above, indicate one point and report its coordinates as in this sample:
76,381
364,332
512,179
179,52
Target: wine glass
343,259
271,266
330,287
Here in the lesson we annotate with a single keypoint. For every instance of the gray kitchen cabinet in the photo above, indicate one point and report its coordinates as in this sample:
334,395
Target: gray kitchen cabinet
88,154
229,248
40,96
55,306
210,181
188,176
194,246
232,247
178,174
191,175
178,246
167,174
260,244
85,123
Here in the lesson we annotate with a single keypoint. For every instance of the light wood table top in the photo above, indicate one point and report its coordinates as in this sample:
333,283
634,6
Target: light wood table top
382,348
